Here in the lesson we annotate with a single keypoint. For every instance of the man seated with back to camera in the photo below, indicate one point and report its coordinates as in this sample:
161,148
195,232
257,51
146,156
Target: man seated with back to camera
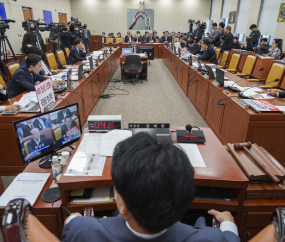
68,124
136,48
209,52
155,187
3,98
77,53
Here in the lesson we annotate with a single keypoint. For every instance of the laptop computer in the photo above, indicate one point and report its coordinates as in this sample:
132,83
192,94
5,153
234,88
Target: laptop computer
80,74
127,51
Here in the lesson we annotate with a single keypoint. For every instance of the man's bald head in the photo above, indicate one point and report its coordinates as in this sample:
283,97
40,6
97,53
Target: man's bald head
35,133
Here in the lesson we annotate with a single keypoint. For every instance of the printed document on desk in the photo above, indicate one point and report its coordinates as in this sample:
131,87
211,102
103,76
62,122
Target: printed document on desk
91,143
111,139
193,154
25,185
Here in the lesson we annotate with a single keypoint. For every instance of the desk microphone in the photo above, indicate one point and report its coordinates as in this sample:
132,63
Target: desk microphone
235,89
240,94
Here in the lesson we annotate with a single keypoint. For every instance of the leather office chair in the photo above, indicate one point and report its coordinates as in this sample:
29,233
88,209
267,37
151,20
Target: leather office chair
275,232
67,51
175,40
276,72
119,40
12,67
132,66
218,53
223,62
248,66
109,41
51,61
61,58
2,81
234,62
19,223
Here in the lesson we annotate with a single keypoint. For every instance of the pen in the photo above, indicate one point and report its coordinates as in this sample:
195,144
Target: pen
67,211
269,91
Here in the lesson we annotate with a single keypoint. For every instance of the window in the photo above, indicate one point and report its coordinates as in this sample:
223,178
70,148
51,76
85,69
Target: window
269,11
214,9
242,17
226,8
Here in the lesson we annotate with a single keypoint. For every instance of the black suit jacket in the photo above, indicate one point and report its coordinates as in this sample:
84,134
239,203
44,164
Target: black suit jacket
64,128
198,33
127,39
164,39
60,115
42,73
140,38
3,97
83,33
209,55
228,42
281,94
38,125
22,81
74,56
27,130
64,39
138,48
28,40
73,35
32,145
148,39
236,46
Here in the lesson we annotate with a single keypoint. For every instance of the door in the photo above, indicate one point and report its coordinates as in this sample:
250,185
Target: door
27,13
62,18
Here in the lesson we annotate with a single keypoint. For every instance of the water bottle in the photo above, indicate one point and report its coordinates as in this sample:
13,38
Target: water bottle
56,166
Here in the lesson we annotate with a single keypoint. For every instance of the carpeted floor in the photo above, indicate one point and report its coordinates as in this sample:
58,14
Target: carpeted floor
160,99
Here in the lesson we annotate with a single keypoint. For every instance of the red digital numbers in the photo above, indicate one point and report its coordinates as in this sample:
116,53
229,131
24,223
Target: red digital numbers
106,125
96,125
111,125
103,124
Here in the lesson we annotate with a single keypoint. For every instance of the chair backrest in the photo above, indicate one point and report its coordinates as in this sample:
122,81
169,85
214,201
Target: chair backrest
20,224
133,63
265,235
67,51
175,40
109,40
224,58
2,81
249,64
119,40
51,60
218,53
12,67
61,57
234,61
276,72
57,133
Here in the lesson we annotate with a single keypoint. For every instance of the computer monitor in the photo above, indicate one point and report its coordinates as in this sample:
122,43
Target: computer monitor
80,71
43,134
68,74
210,72
220,76
91,63
190,60
127,51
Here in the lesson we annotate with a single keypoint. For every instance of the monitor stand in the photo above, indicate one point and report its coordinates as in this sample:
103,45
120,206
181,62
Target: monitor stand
45,162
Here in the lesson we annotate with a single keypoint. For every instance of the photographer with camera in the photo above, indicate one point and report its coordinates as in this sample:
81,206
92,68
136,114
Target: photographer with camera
73,33
198,33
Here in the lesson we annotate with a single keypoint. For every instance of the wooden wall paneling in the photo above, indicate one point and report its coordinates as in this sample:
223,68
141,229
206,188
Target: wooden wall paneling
202,95
262,63
87,93
185,77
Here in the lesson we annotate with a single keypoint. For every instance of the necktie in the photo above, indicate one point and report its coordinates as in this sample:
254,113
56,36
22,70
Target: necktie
31,126
79,52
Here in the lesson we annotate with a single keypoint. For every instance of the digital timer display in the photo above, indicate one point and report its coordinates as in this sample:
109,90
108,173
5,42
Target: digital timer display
104,125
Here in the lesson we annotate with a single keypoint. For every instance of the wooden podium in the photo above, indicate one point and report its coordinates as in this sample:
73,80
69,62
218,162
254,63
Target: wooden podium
95,42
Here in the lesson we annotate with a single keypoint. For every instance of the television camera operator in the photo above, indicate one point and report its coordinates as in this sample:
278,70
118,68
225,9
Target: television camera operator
74,30
56,31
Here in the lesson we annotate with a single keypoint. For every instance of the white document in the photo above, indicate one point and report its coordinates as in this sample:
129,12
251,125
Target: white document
193,154
99,194
177,44
255,89
249,93
91,143
230,83
281,108
25,185
111,139
27,99
264,96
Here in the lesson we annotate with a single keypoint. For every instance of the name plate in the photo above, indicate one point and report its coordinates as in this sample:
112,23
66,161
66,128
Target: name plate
215,83
85,75
206,76
243,104
49,106
149,125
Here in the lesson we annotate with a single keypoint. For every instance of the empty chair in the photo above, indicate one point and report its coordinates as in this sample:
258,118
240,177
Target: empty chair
218,53
234,62
67,51
223,62
12,67
51,61
248,66
61,58
132,66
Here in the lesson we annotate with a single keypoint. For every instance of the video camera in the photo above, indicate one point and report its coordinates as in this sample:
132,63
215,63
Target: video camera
75,20
33,25
57,27
191,21
202,25
4,25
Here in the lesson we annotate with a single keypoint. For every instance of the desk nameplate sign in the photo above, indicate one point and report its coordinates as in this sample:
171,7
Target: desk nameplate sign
86,75
243,104
49,106
205,76
149,125
44,94
215,83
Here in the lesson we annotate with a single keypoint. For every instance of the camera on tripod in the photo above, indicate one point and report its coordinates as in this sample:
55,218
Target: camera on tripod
75,20
57,27
34,25
202,25
4,25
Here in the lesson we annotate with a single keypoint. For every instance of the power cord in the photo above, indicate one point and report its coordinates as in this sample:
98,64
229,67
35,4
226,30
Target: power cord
114,88
56,97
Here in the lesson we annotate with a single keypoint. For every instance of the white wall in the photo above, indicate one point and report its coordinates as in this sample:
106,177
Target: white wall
111,15
14,12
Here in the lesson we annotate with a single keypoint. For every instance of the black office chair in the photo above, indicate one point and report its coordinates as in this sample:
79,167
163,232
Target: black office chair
132,66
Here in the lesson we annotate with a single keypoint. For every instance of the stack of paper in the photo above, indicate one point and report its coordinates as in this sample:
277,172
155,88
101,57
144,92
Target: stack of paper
25,185
26,99
193,154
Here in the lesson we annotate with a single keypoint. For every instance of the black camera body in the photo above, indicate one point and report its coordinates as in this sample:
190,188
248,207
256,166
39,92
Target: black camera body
75,20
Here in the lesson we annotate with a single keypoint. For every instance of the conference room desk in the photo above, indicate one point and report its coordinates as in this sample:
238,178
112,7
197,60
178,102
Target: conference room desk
221,171
261,61
144,60
157,48
89,88
229,121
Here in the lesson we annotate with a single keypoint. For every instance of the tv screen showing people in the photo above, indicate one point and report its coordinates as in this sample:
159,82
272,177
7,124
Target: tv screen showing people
40,135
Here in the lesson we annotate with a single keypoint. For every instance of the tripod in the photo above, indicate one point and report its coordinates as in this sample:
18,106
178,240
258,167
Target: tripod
3,41
191,28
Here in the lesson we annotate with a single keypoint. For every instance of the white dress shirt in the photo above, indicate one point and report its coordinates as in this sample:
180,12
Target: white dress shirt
42,123
2,108
145,236
130,39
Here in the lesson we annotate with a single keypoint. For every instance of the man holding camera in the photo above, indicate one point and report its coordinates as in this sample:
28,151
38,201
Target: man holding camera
54,41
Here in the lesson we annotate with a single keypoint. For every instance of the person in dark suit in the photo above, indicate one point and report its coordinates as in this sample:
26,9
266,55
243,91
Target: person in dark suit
263,48
150,210
209,52
28,127
218,38
155,36
136,48
77,53
193,48
62,114
139,39
3,98
103,38
54,41
69,124
197,33
247,45
28,41
86,37
150,38
166,38
128,39
42,123
236,44
183,42
73,34
227,39
64,37
39,141
146,34
25,78
254,35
